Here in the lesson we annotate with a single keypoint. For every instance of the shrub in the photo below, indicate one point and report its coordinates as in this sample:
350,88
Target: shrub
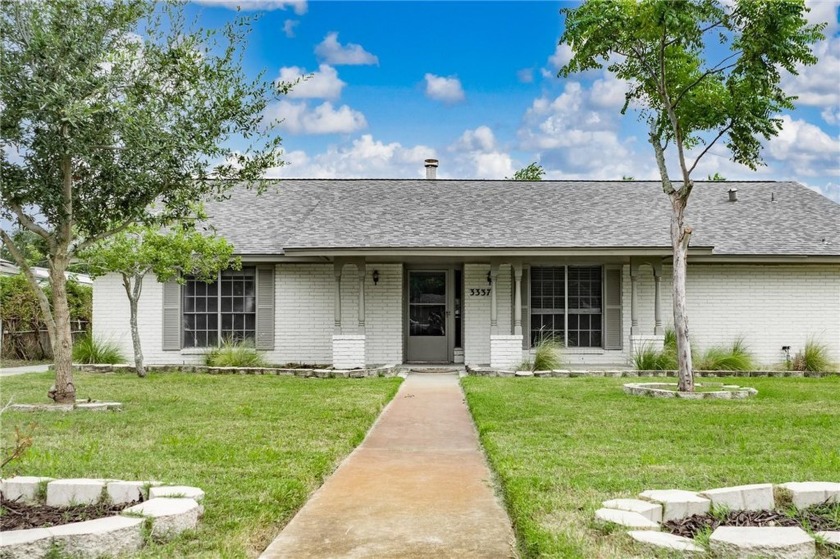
813,357
89,350
734,358
546,355
649,359
234,354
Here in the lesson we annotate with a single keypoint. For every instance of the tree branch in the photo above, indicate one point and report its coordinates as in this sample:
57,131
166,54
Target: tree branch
29,223
667,187
33,282
709,146
706,74
96,238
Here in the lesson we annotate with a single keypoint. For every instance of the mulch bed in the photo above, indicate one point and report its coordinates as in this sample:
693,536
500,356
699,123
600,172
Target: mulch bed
17,515
816,519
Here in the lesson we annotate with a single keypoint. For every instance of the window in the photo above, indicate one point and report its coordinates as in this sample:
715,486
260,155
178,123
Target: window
222,310
566,305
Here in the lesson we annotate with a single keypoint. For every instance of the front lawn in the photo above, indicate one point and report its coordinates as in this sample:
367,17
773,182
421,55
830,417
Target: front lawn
257,445
562,446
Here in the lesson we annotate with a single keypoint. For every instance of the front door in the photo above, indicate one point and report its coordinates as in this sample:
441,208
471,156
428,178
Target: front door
428,316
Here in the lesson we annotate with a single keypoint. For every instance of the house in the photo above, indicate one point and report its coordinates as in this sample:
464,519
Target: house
362,272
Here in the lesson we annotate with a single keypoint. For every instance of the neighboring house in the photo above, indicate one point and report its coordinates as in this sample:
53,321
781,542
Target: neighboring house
41,274
356,272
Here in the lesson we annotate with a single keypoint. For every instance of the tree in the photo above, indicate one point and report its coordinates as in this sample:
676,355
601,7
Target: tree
172,254
116,112
716,177
699,71
533,172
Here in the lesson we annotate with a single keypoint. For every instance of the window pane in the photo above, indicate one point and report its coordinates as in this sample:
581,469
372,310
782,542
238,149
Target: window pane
427,320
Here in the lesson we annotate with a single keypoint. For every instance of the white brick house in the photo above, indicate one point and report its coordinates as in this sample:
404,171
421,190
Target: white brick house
362,272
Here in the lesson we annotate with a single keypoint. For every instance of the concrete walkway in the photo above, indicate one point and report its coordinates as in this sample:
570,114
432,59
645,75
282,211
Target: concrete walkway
9,371
418,486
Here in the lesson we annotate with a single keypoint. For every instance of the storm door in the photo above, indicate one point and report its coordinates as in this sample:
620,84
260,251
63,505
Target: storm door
427,336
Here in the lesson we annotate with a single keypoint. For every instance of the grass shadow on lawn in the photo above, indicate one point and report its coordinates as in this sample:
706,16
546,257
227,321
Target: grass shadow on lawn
257,445
562,446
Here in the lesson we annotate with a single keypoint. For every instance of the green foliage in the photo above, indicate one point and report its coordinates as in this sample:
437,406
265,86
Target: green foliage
547,355
716,177
19,307
234,354
733,358
90,350
33,247
650,359
813,357
533,172
173,254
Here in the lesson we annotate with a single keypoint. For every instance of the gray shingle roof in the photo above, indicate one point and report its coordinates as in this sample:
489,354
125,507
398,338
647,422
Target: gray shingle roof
470,214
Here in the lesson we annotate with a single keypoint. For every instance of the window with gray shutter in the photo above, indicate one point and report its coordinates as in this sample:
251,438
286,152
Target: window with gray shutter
171,315
219,311
265,308
613,338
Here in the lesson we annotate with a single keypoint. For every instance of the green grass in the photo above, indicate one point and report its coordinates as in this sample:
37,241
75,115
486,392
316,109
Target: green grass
562,446
257,445
234,354
88,349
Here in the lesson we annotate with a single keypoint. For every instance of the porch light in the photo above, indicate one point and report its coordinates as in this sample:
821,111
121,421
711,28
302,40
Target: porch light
489,279
375,277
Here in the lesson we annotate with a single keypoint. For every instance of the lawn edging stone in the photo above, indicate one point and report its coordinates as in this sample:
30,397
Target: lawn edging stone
765,542
116,535
736,541
633,373
383,371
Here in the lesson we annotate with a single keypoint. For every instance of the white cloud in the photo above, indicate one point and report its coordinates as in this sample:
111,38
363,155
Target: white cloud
525,75
477,155
300,118
805,149
332,52
817,85
289,27
362,158
577,134
323,84
299,6
562,55
447,90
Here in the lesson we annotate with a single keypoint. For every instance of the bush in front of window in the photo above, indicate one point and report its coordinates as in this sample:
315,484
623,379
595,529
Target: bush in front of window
233,353
546,357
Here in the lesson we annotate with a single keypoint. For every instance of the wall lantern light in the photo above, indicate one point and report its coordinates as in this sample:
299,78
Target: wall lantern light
489,279
375,277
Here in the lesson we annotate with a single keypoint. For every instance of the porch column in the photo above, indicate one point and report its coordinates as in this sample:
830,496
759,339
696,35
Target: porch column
657,300
362,275
494,310
634,316
337,302
517,299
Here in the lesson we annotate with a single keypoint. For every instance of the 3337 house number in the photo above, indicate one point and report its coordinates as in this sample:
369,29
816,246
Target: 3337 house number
480,292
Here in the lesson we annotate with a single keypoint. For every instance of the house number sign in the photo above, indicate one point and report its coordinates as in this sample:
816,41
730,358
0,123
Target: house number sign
480,292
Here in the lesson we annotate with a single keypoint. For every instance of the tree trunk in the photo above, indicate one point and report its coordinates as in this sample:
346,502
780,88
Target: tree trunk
63,391
133,300
680,237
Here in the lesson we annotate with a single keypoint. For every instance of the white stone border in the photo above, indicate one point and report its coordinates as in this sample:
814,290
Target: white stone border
369,372
165,512
668,390
646,514
633,373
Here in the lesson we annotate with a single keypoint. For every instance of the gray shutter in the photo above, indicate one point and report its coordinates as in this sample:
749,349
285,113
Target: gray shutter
612,307
526,307
265,308
171,315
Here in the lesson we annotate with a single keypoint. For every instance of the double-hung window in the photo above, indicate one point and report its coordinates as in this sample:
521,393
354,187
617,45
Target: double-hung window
222,310
566,305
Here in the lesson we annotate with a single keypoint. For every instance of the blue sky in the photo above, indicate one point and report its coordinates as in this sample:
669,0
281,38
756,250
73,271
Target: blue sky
474,84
